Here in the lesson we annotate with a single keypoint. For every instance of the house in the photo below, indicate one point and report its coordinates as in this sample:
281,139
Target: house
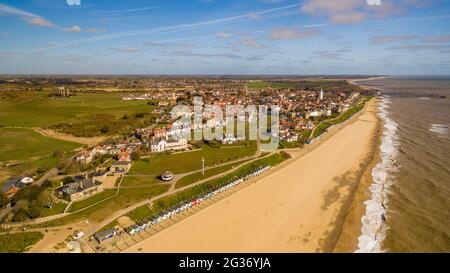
124,156
84,157
160,133
105,235
120,166
12,186
168,145
80,190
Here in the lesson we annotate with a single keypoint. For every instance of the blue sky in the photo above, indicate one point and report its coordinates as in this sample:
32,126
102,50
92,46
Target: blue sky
225,37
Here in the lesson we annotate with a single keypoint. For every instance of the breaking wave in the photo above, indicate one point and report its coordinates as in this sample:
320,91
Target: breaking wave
374,225
441,129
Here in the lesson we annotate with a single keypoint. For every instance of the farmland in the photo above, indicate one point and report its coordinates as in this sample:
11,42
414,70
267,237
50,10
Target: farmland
22,143
37,109
191,161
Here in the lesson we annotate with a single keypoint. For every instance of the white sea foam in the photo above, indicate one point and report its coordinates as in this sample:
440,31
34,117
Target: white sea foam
441,129
374,228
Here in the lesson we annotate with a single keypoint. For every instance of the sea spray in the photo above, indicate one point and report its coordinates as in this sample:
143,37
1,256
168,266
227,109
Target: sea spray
374,226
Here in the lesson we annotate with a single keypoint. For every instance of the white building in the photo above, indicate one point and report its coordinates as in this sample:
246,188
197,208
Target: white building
168,145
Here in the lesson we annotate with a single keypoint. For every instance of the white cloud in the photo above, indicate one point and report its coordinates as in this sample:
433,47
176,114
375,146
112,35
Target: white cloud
95,30
378,40
292,34
354,11
72,29
30,18
126,49
250,42
223,35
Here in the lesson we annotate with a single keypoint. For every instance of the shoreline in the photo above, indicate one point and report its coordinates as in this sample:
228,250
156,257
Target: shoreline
323,205
347,241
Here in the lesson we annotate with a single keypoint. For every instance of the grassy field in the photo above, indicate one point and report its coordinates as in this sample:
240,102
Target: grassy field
195,177
91,200
188,194
275,85
99,212
316,84
19,242
140,213
191,161
22,143
37,109
57,208
138,181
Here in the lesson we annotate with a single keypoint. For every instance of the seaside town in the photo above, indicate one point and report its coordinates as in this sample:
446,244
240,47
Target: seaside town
91,174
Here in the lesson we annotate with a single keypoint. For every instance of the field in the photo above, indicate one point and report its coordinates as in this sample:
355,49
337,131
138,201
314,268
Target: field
57,208
37,109
191,161
22,143
330,85
274,85
19,242
139,181
91,200
195,177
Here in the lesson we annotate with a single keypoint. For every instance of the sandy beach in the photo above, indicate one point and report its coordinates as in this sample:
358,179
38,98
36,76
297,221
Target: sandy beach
300,207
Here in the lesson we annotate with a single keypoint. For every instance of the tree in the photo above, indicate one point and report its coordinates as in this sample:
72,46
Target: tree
68,180
34,211
20,205
28,193
47,184
135,156
45,199
4,201
20,216
58,153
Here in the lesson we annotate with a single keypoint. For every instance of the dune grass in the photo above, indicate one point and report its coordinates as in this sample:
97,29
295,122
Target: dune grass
19,242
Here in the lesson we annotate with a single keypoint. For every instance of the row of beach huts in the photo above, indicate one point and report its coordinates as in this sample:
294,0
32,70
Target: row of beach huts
147,223
171,212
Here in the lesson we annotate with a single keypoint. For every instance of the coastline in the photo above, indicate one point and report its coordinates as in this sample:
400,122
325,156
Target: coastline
322,200
350,230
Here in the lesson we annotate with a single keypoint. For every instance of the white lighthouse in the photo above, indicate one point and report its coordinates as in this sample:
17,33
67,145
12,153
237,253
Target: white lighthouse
321,94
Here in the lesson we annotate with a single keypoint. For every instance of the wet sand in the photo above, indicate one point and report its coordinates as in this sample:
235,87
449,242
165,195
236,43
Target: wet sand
298,208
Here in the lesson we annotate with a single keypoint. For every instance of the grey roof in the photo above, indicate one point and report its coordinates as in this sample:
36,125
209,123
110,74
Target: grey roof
12,183
80,186
103,235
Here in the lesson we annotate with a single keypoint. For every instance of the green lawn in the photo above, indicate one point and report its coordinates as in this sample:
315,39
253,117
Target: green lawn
19,144
99,212
137,181
91,200
57,208
19,242
140,213
191,161
39,110
195,177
